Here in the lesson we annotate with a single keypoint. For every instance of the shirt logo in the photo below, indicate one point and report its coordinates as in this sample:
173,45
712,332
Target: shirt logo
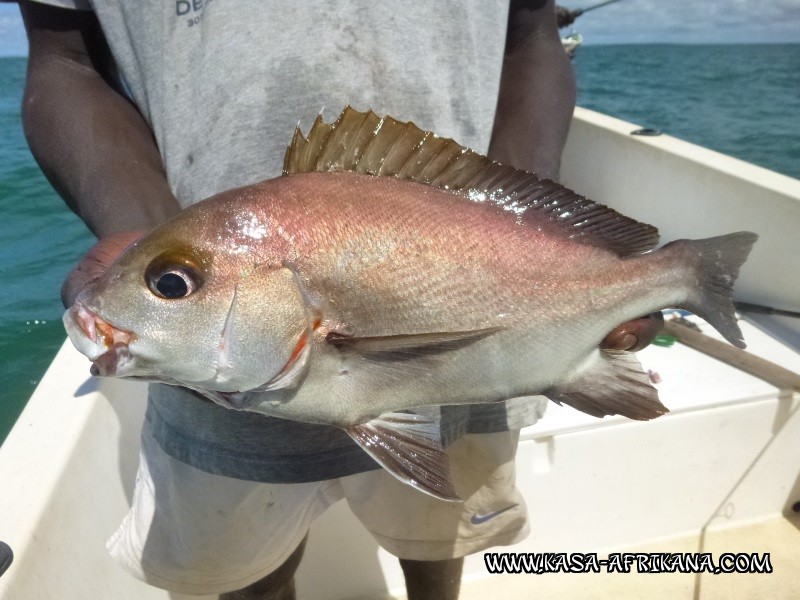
479,519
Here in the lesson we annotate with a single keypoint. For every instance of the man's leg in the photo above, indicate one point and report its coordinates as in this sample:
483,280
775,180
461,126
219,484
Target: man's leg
278,585
194,532
432,579
409,524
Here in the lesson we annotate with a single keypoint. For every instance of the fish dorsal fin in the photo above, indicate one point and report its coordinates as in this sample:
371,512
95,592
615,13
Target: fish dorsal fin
362,142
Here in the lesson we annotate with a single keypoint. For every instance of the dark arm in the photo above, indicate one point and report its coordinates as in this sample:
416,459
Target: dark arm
92,144
537,92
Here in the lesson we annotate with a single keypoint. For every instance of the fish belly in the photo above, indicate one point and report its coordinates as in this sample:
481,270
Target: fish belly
552,343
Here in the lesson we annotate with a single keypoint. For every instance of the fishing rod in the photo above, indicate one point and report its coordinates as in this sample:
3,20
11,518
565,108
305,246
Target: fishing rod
579,11
566,16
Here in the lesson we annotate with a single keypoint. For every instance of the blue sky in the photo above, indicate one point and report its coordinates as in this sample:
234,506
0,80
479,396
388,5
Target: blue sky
12,35
690,21
628,21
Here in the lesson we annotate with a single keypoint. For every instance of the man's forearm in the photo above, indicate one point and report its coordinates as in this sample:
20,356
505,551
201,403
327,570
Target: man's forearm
90,141
537,93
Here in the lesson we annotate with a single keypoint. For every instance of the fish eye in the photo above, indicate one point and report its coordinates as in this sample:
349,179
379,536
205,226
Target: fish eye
173,279
174,285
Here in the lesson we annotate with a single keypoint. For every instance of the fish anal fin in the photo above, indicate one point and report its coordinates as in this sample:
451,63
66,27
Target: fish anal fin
409,345
409,447
614,384
365,143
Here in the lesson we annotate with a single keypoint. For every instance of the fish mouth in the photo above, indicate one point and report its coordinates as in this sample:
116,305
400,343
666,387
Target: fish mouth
107,346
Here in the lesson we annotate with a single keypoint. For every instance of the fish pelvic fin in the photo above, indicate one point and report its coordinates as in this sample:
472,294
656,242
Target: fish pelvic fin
614,384
409,446
363,142
716,262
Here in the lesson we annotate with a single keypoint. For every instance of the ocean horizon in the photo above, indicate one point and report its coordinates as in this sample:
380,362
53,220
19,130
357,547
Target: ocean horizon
738,99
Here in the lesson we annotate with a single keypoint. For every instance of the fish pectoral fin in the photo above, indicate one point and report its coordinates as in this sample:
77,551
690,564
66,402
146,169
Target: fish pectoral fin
409,446
232,400
614,384
409,345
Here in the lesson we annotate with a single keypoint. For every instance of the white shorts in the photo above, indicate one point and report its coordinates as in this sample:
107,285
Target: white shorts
194,532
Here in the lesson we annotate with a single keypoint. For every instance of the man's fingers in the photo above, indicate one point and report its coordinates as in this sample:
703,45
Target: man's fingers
634,335
95,264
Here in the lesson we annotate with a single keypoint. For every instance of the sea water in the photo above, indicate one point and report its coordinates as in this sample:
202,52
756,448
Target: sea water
740,100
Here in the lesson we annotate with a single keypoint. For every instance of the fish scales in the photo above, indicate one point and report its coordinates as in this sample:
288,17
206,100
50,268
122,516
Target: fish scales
347,246
354,288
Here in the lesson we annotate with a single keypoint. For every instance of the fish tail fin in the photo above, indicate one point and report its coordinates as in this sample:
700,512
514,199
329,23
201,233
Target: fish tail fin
716,262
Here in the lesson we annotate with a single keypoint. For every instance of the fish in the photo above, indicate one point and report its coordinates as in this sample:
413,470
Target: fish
388,271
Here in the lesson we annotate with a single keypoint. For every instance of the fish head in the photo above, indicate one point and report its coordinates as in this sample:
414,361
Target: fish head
187,306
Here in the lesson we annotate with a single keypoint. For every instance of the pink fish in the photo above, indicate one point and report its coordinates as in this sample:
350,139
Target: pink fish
391,269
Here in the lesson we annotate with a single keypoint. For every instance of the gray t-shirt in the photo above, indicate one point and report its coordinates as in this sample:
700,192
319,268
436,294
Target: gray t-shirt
223,84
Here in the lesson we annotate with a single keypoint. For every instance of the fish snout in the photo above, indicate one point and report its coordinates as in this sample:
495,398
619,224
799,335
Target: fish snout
104,344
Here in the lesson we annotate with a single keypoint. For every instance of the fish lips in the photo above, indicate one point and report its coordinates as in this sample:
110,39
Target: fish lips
107,346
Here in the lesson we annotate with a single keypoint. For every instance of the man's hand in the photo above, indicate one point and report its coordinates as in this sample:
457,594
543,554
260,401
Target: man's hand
634,335
565,16
96,263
